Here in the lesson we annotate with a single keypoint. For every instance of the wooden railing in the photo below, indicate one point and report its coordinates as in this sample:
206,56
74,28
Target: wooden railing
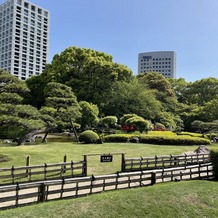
21,194
159,162
43,172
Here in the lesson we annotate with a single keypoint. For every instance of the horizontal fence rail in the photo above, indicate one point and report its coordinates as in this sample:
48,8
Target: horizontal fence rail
21,194
159,162
43,172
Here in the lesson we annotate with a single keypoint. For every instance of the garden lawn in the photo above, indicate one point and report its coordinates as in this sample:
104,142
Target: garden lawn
53,152
174,199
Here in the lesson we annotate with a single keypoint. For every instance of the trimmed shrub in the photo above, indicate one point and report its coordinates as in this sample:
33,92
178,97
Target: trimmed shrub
174,140
214,160
109,121
88,137
159,140
117,138
140,123
125,117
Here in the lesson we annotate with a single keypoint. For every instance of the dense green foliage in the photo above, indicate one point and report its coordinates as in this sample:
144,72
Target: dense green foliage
16,118
61,104
109,121
88,137
89,115
83,88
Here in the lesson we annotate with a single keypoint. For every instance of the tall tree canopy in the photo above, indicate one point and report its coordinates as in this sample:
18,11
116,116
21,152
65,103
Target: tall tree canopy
179,86
157,81
132,97
86,71
201,91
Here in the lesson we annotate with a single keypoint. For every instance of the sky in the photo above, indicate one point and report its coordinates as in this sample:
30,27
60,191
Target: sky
124,28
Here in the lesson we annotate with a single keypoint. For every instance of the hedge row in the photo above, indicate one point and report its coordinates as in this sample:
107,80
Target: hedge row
160,140
117,138
174,140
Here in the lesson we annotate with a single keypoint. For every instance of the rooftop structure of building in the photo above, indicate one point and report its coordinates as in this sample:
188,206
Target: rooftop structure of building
163,62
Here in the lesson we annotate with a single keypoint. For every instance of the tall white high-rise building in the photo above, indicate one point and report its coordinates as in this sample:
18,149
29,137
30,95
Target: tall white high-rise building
24,38
163,62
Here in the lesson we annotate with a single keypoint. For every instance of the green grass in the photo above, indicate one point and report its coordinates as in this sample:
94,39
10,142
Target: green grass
53,152
180,199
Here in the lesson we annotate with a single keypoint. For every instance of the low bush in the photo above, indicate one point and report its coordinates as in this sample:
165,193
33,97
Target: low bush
88,137
10,133
214,160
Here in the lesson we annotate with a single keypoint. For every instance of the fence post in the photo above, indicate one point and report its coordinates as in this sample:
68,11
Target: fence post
155,164
185,159
17,193
45,170
12,174
123,165
85,165
41,193
153,178
27,164
175,161
65,160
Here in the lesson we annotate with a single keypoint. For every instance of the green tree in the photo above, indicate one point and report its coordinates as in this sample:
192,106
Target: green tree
62,105
165,94
132,97
156,81
36,85
89,115
161,88
201,91
89,73
209,112
179,86
205,127
188,114
17,119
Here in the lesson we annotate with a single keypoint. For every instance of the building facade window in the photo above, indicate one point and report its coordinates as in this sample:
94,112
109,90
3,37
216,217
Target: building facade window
24,31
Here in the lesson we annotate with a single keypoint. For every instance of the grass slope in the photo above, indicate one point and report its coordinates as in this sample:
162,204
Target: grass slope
181,199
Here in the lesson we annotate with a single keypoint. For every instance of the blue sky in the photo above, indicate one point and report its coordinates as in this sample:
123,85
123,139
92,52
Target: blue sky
124,28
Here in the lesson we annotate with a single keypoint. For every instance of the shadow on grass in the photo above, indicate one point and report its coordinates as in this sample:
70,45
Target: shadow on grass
4,158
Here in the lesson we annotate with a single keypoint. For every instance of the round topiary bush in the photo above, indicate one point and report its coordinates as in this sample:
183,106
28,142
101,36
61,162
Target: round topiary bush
88,137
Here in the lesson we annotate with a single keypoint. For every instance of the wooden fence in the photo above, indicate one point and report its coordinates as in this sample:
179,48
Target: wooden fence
159,162
78,169
21,194
43,172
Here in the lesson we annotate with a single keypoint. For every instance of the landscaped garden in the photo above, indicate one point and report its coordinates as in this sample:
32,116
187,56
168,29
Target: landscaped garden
107,110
